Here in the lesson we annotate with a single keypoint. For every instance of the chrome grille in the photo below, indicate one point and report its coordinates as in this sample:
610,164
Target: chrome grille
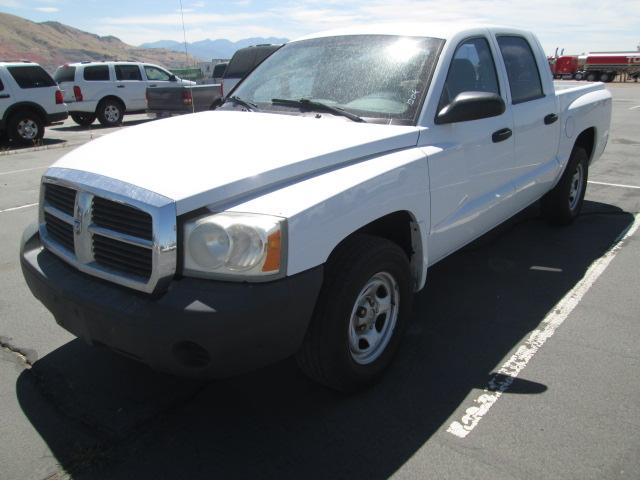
122,256
109,229
121,218
61,231
60,197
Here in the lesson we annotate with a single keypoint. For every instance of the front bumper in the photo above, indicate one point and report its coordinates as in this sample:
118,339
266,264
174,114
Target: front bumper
198,328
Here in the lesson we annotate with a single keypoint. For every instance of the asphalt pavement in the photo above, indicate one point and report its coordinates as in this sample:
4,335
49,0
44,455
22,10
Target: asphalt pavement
559,306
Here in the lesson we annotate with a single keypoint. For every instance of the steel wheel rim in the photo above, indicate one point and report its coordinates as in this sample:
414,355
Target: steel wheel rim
575,189
373,318
112,113
27,129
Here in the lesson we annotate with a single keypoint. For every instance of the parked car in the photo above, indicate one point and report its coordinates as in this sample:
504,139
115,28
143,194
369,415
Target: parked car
348,163
30,100
243,62
109,90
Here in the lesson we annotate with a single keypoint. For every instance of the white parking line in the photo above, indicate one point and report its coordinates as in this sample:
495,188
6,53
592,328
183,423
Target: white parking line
23,170
499,383
613,184
18,208
635,108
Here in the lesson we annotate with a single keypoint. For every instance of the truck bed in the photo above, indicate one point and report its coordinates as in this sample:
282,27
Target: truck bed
175,100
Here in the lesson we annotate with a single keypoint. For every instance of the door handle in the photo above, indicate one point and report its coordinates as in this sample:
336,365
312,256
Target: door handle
120,86
5,95
501,135
153,85
549,119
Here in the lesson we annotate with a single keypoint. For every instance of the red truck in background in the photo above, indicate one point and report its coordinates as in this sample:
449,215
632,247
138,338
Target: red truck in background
592,67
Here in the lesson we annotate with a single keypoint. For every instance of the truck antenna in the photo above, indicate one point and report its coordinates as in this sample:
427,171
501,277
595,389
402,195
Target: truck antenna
186,53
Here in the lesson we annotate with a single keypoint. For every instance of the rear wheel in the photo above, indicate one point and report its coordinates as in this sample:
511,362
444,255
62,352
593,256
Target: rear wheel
25,128
110,112
360,315
563,204
83,119
591,77
578,76
605,77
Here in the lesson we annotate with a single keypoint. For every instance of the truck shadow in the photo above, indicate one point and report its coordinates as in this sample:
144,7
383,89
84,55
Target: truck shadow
97,126
7,145
104,416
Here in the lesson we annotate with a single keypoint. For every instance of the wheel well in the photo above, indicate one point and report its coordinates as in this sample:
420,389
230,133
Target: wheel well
401,228
25,108
586,140
114,98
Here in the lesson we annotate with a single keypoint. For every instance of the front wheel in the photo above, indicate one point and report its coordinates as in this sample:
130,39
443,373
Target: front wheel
563,204
360,315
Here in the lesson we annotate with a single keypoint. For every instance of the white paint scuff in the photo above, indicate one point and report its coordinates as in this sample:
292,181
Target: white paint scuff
613,184
500,381
18,208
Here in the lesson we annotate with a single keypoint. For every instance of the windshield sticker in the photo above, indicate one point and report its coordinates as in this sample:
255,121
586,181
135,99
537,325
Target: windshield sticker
414,95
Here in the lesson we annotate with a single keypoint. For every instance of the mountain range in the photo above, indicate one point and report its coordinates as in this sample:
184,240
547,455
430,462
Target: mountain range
210,49
52,44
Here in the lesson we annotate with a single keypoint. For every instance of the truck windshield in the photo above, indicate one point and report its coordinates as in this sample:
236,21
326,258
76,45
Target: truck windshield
382,78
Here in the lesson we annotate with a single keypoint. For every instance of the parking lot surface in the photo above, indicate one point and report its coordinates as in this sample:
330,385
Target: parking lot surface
558,308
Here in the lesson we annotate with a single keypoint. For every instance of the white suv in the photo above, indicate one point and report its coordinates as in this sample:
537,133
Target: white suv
108,90
29,101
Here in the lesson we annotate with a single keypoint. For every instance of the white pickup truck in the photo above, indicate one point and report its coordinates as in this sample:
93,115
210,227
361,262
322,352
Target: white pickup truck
349,162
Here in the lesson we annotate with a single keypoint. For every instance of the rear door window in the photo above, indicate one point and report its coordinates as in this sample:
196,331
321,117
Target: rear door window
65,74
522,70
97,73
31,76
128,72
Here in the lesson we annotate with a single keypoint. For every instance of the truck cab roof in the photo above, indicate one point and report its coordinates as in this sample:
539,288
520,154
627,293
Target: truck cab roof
444,31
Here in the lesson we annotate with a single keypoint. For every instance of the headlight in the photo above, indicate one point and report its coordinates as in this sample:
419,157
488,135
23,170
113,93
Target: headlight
233,245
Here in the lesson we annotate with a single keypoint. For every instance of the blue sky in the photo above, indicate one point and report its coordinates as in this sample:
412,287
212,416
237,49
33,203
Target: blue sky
578,26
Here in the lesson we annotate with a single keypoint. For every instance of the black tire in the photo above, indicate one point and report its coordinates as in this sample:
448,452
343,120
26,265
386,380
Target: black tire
83,119
110,112
605,77
25,127
578,76
562,204
326,355
591,77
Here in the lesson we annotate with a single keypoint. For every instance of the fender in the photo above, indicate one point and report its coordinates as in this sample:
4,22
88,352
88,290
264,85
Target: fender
590,110
324,210
25,105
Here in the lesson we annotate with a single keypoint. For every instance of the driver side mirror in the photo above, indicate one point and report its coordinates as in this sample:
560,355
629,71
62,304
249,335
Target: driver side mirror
173,78
471,106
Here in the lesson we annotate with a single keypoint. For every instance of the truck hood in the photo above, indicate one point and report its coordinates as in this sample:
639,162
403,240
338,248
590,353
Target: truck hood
217,156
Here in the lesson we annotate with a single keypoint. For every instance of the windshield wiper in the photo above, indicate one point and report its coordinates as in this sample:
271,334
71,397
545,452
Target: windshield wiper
312,105
248,105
